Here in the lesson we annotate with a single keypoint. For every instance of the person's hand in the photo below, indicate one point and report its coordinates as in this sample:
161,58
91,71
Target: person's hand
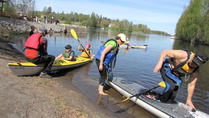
100,67
92,57
157,68
63,58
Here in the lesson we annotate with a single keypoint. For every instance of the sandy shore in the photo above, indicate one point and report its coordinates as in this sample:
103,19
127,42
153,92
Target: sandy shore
34,97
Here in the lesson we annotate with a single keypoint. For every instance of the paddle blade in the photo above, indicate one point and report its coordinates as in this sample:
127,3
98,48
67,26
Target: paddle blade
123,100
162,84
72,31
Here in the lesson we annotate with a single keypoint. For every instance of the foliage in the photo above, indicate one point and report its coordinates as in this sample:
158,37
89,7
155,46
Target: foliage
93,20
193,25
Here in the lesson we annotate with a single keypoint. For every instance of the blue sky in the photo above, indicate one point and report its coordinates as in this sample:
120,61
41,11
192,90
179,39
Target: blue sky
159,15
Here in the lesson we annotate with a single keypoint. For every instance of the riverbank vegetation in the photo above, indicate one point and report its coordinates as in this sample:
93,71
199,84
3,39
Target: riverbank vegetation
193,26
74,18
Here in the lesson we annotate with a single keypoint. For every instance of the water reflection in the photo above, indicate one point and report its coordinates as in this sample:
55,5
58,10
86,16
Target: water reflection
126,50
100,101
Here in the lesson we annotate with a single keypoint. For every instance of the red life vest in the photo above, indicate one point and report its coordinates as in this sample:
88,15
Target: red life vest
33,41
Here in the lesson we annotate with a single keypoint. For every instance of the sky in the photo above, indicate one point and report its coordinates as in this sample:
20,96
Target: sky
161,15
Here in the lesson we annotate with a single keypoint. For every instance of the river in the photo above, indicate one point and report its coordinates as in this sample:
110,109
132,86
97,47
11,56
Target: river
133,64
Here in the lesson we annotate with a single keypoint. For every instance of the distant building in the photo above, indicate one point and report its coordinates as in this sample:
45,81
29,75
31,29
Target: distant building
173,37
54,21
112,25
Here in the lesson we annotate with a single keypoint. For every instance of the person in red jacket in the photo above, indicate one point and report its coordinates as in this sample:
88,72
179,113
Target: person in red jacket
36,51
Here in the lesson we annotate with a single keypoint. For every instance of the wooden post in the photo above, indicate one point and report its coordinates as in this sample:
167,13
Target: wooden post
1,5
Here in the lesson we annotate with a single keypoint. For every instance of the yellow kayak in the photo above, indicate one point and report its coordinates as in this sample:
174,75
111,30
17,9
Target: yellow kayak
29,68
133,46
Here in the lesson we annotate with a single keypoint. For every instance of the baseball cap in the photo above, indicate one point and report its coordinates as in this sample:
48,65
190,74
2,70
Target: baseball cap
43,29
122,37
68,47
200,58
88,44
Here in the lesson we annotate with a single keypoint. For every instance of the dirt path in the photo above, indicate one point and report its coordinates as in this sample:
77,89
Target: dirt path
34,97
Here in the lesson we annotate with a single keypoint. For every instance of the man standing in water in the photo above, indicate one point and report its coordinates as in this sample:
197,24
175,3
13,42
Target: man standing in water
105,56
178,64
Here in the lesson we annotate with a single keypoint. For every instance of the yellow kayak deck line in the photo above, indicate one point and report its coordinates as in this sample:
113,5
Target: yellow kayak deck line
133,46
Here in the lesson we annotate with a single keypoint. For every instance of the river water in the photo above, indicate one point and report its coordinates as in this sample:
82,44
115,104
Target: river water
133,64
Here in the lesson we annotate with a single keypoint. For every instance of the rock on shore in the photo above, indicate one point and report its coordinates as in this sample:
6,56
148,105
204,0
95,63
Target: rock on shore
8,25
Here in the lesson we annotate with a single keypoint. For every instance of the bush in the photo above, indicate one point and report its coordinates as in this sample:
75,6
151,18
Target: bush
8,14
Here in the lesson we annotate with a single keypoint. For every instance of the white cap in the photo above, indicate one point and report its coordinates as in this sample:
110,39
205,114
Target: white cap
122,36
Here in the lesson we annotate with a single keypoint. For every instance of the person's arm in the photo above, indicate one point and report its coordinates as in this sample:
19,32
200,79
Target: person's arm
163,55
104,52
177,54
79,47
91,55
69,59
43,46
191,88
59,57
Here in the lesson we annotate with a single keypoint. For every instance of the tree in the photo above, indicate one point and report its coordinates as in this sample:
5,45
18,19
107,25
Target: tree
130,27
93,20
193,23
104,23
9,6
19,5
49,10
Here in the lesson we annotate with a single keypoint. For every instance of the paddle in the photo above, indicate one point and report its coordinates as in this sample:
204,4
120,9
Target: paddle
74,34
161,84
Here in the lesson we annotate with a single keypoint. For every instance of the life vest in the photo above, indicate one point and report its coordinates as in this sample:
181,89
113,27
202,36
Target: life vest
170,74
67,54
126,43
83,54
184,68
33,41
110,56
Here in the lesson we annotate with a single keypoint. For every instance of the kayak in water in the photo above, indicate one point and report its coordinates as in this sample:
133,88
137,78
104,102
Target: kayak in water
29,68
143,97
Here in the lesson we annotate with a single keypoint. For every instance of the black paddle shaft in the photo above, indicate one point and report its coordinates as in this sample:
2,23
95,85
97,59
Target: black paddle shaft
137,95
